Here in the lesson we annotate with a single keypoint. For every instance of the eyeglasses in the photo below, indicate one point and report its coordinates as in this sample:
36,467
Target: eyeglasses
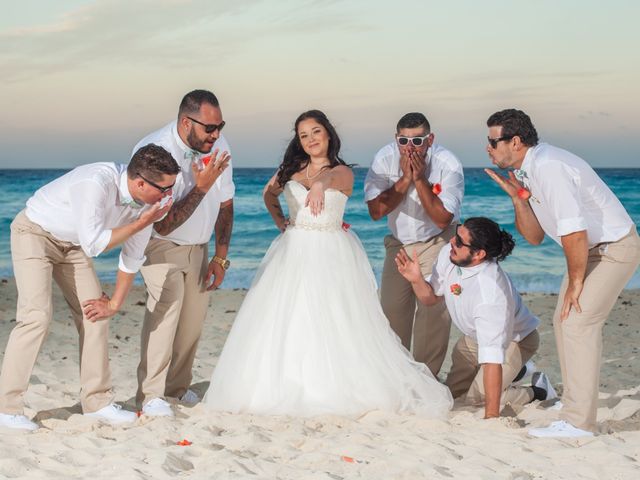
209,128
494,141
417,141
459,242
153,184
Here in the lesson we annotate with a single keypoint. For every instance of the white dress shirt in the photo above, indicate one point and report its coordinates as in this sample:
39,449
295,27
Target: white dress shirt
85,204
198,228
567,196
487,309
408,222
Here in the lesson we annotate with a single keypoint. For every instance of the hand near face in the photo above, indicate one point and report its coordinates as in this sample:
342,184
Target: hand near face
405,164
409,268
315,199
510,184
206,177
418,166
156,212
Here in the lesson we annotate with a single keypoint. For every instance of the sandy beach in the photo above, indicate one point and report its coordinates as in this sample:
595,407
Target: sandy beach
375,445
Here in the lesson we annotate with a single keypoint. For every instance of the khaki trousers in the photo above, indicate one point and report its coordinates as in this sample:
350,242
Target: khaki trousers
579,337
430,325
37,258
467,376
176,308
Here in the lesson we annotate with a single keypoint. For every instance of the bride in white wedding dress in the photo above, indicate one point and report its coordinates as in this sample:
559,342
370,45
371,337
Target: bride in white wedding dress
310,337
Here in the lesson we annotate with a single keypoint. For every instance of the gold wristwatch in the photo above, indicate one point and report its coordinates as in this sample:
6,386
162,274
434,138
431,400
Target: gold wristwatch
223,262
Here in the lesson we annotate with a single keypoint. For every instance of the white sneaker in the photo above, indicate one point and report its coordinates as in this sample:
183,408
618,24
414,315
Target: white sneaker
19,422
559,429
113,414
539,379
526,371
157,407
190,397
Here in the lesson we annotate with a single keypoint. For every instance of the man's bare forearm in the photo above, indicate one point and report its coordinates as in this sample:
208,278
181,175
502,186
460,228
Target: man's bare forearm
180,212
527,222
432,204
388,200
223,227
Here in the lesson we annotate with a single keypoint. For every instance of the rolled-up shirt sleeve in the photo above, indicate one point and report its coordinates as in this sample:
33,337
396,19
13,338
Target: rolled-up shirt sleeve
377,180
132,253
452,190
88,202
561,190
493,331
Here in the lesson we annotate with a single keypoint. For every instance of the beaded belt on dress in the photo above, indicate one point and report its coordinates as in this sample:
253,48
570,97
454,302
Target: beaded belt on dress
325,227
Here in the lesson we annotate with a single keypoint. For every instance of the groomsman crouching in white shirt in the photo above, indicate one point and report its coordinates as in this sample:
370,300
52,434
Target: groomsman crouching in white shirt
89,210
499,333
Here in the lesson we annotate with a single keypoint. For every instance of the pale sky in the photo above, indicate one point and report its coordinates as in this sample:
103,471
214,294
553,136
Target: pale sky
83,81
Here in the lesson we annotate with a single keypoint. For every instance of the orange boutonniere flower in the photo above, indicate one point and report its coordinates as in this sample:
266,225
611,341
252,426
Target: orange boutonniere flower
436,189
456,289
206,160
346,226
524,194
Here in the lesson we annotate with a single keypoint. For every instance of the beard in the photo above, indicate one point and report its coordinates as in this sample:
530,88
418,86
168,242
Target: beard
462,262
196,143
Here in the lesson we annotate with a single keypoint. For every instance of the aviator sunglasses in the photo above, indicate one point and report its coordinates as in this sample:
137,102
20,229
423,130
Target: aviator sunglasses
417,141
209,128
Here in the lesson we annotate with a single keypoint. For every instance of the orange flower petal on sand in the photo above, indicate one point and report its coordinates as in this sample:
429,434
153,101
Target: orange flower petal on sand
184,443
344,458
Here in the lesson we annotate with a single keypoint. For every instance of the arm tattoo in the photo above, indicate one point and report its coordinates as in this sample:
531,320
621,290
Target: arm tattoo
179,212
224,223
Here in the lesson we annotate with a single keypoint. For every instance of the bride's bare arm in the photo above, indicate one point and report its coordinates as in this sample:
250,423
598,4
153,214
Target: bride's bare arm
270,194
338,178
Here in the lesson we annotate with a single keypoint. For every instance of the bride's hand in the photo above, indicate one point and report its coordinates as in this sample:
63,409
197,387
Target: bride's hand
315,199
408,268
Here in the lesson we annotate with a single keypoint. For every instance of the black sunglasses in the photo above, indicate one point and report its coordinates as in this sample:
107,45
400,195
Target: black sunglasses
494,141
460,243
153,184
209,128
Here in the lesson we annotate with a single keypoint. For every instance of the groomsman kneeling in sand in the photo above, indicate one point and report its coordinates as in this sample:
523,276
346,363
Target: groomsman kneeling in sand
555,192
500,334
82,214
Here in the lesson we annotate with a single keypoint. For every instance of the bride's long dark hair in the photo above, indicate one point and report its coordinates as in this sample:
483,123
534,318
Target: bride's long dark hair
295,158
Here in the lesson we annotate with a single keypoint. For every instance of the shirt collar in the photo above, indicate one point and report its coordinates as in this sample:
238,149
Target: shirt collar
126,200
528,159
468,272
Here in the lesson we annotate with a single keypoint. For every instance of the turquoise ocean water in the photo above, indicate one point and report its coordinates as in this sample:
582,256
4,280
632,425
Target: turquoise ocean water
536,269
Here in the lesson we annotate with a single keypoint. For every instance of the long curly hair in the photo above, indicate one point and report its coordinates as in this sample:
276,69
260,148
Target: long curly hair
295,158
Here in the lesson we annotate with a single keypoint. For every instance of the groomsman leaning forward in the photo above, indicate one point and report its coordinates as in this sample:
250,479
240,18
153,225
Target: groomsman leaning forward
80,215
556,193
418,185
178,273
499,333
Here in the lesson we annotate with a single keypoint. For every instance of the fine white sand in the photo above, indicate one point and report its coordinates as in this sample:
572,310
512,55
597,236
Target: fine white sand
376,445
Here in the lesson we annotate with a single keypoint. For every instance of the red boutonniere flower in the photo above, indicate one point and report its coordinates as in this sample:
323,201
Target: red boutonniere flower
346,226
456,289
524,194
206,160
436,189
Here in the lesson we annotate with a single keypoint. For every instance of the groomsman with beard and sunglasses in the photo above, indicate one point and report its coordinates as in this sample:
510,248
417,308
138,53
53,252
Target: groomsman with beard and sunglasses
178,273
418,185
